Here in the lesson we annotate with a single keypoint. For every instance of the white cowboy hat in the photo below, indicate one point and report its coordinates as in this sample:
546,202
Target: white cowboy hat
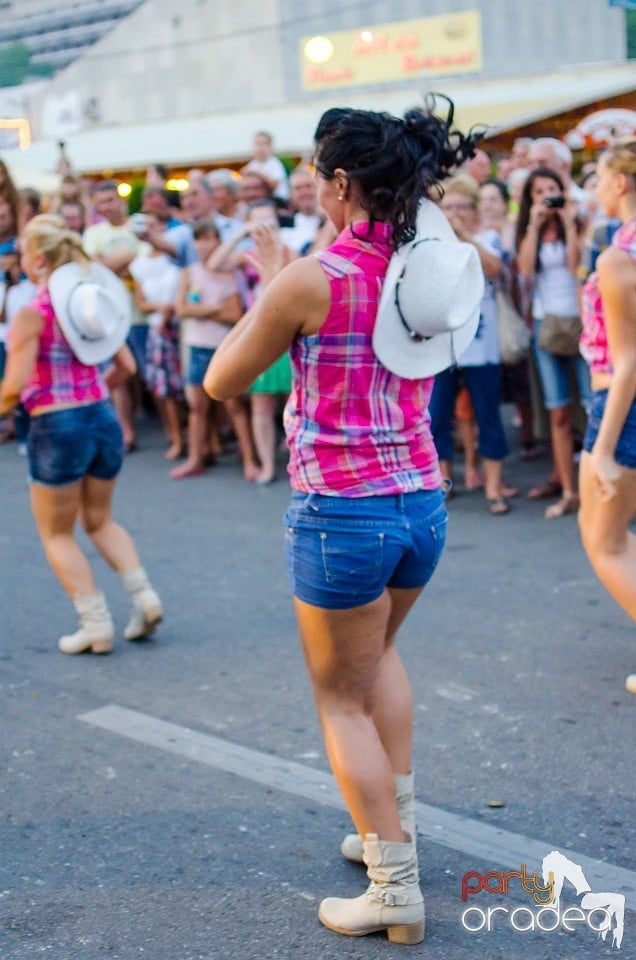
93,309
429,308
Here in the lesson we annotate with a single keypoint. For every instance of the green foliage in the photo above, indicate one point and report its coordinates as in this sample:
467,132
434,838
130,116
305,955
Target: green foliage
630,16
136,196
14,64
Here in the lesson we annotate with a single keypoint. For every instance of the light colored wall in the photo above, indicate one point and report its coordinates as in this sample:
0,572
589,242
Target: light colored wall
168,59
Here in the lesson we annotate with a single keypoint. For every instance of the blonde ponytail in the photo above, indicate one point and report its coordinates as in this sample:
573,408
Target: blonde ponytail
621,157
49,234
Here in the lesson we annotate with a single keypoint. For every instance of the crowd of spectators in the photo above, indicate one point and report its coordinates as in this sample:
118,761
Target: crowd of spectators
190,261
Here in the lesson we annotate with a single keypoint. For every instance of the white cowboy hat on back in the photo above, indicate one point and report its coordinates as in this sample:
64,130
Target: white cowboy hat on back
429,308
92,307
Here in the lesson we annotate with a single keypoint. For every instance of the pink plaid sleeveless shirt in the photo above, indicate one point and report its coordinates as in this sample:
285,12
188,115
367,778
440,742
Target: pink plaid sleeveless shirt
593,343
353,428
58,378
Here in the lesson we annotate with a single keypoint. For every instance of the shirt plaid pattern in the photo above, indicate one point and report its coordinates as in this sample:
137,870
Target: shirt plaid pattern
593,344
59,378
353,428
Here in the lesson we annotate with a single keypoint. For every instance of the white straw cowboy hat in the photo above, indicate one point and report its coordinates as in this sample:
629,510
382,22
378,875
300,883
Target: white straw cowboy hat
92,306
429,308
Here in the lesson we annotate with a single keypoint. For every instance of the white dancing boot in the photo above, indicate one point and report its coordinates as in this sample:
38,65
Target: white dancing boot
96,630
147,612
351,846
393,900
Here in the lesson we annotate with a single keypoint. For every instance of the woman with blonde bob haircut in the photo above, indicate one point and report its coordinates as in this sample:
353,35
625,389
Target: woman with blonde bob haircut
75,445
608,463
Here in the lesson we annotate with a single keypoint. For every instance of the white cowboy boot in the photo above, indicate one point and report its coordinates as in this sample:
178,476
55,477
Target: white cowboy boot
392,902
351,846
96,627
147,611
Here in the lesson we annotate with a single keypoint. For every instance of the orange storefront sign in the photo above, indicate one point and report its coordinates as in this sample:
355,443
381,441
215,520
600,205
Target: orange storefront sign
384,53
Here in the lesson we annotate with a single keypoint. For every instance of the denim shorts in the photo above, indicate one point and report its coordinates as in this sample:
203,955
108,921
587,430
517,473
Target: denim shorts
198,364
65,445
554,373
136,340
343,551
625,453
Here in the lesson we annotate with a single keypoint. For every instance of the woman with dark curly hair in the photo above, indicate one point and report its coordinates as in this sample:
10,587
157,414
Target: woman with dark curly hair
367,520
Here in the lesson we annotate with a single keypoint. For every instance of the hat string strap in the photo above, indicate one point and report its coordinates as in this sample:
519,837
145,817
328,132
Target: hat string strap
413,334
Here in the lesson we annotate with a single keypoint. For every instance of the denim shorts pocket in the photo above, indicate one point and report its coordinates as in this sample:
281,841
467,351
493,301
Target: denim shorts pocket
438,533
289,543
352,562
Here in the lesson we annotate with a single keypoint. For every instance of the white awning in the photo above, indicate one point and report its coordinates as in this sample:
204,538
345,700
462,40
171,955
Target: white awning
225,137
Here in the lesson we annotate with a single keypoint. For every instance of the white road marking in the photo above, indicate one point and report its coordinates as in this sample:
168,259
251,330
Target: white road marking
479,840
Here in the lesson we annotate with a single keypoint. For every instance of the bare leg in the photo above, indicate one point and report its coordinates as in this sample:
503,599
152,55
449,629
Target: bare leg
238,414
122,399
494,478
197,431
264,430
344,650
55,510
468,434
563,447
113,542
170,417
393,703
608,542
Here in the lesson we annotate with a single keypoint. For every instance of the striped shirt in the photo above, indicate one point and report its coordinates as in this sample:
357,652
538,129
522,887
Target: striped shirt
59,378
353,428
593,344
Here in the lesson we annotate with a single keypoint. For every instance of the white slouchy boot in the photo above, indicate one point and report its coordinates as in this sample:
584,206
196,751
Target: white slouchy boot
351,846
147,611
96,627
392,902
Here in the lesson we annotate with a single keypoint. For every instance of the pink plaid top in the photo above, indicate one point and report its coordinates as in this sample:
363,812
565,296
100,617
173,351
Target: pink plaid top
58,378
593,343
353,428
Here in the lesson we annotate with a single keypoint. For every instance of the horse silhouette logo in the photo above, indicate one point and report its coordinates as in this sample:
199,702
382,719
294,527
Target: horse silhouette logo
556,869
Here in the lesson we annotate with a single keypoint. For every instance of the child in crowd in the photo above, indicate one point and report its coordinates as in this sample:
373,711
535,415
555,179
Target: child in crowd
156,283
208,303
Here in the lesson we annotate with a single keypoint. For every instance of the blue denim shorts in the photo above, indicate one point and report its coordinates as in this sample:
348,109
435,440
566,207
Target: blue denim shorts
65,445
554,373
136,340
198,364
343,551
625,453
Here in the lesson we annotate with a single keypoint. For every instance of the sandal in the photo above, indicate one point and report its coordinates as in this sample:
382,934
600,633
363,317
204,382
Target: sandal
544,491
569,503
498,506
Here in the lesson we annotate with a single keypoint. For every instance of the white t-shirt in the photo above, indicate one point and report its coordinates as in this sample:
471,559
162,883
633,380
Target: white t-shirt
554,284
302,233
17,296
485,347
158,278
273,169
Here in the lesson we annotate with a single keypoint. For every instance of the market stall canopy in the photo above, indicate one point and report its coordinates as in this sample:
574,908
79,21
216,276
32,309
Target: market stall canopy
602,128
226,137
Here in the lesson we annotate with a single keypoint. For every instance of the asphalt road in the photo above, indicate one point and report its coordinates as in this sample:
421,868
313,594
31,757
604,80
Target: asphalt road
112,846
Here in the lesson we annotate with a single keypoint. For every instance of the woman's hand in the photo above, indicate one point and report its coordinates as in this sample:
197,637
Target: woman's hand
606,473
568,213
539,214
268,258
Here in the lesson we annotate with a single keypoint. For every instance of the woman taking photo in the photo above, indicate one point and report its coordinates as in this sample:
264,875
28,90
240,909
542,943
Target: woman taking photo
75,445
549,248
607,476
367,519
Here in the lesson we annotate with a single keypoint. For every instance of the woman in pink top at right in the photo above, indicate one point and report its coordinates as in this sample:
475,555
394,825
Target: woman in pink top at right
367,519
608,463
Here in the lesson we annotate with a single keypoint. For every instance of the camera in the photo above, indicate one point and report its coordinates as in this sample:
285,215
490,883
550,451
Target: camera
138,223
555,203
